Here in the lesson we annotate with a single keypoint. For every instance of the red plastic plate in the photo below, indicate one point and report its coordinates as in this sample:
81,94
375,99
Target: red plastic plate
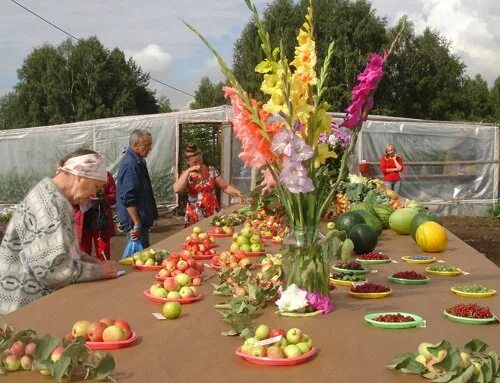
216,268
162,279
113,345
203,257
217,235
148,268
276,362
255,254
183,301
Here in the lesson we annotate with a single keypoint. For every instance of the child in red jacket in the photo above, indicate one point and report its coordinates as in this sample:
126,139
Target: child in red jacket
391,165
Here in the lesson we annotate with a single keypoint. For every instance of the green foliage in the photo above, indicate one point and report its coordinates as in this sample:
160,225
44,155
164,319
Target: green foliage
495,210
164,105
75,82
208,95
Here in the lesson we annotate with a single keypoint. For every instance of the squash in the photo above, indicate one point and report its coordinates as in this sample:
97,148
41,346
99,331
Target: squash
347,221
419,219
400,220
364,237
384,211
431,237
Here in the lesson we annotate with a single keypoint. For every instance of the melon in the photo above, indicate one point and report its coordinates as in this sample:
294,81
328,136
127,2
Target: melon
400,220
348,220
384,211
364,237
419,219
371,220
431,237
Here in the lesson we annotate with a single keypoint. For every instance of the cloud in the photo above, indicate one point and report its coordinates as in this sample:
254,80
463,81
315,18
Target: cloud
153,59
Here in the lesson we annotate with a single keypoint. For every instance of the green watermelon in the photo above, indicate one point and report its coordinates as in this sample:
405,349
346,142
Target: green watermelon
348,220
371,220
384,211
400,220
364,237
421,218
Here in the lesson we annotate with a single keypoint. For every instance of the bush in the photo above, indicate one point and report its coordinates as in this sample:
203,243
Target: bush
495,210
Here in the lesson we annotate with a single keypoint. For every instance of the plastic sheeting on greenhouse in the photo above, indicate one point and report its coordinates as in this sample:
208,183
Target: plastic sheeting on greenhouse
452,167
28,155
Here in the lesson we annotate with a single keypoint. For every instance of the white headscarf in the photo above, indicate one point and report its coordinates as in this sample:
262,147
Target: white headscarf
89,166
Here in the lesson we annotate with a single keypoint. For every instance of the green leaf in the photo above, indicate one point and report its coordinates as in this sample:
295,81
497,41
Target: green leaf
475,345
451,361
494,361
465,376
445,377
229,333
105,367
487,370
46,346
61,368
346,251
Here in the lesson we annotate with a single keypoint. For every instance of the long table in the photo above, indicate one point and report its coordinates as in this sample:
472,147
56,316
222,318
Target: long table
191,349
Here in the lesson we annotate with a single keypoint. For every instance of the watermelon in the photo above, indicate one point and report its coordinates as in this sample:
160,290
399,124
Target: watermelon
384,211
364,237
348,220
400,220
371,220
421,218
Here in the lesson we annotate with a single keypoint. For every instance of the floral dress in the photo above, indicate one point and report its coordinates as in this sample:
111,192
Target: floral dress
202,201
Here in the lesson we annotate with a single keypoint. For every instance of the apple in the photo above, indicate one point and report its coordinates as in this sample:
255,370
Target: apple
304,347
276,332
246,349
12,363
195,291
171,310
26,362
262,332
186,292
307,339
163,273
113,334
173,295
259,351
283,343
203,236
227,230
80,329
245,262
95,330
292,351
30,349
250,341
256,247
241,240
247,232
150,262
17,349
152,289
182,265
170,265
159,292
191,272
125,327
330,225
69,336
183,279
294,336
275,352
196,281
200,266
197,229
246,248
56,354
171,284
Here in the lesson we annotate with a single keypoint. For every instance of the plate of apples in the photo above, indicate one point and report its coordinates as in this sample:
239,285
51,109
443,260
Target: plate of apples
104,334
180,288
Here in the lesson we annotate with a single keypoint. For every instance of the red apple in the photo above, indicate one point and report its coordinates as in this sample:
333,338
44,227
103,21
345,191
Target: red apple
95,330
30,349
17,349
200,266
127,330
113,334
108,321
197,281
56,354
191,262
182,265
170,265
80,328
69,336
170,284
277,331
191,272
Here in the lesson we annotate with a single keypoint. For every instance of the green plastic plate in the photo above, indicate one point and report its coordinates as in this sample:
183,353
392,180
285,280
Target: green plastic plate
370,318
373,261
354,272
469,320
403,281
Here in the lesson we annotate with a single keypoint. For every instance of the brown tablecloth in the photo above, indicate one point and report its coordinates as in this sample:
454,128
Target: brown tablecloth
191,349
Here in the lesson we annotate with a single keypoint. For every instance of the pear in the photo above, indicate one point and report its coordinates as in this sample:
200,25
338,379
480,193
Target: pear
422,350
421,359
465,360
440,356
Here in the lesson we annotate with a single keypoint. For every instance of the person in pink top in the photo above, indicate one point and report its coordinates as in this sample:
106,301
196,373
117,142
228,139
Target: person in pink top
391,165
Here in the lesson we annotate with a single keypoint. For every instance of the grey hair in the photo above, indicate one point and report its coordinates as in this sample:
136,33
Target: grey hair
137,135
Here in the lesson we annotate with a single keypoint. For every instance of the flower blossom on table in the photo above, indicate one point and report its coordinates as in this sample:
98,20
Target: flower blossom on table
362,94
319,301
292,299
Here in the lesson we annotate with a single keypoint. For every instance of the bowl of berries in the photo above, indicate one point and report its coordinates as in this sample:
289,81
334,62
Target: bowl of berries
394,320
353,267
346,279
419,259
408,278
473,291
443,270
373,258
369,290
470,313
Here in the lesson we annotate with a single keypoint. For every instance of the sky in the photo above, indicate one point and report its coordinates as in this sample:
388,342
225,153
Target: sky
152,32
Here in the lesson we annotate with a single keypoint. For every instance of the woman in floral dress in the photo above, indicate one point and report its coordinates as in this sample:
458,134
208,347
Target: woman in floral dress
200,181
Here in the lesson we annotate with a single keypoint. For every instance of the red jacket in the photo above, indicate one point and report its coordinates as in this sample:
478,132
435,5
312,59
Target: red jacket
388,163
109,198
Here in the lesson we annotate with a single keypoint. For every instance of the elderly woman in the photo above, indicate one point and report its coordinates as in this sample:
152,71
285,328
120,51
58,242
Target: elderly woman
39,253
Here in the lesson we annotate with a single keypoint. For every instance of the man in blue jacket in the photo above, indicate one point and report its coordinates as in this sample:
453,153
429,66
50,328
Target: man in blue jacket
135,201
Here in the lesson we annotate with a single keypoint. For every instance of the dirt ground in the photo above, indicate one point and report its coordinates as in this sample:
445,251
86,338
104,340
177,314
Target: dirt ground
481,233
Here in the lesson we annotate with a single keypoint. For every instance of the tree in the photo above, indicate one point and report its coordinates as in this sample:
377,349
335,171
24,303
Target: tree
477,104
75,82
164,105
495,100
208,95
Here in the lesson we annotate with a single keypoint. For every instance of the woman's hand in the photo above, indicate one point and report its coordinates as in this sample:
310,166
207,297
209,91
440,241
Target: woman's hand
87,258
195,168
109,269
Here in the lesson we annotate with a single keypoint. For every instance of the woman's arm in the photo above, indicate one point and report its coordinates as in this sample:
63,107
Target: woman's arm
226,187
110,191
181,183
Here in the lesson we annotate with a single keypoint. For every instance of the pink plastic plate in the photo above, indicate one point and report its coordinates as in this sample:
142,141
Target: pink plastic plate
203,257
216,268
162,279
113,345
255,254
148,268
276,362
183,301
218,235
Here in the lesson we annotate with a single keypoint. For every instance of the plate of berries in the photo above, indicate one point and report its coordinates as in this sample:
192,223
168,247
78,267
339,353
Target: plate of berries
419,259
470,313
394,320
443,270
408,278
346,279
353,267
473,291
370,291
373,258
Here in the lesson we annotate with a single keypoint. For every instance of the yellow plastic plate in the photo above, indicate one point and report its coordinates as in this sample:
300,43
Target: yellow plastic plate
444,273
341,282
419,261
474,295
371,295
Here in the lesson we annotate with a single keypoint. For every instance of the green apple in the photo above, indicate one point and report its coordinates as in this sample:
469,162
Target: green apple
171,310
283,343
246,248
262,332
250,342
183,279
259,351
160,292
307,339
12,363
173,295
304,347
234,247
256,247
247,232
292,351
241,240
80,328
294,336
186,292
150,262
330,226
254,239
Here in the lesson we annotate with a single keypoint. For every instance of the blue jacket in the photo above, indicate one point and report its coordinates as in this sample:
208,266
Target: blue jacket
134,189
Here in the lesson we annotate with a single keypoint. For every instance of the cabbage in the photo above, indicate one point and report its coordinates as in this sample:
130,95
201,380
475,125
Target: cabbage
355,179
415,205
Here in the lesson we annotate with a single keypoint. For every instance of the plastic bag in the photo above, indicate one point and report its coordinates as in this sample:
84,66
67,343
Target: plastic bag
131,248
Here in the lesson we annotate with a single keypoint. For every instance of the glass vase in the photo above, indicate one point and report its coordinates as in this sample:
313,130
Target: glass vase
307,258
